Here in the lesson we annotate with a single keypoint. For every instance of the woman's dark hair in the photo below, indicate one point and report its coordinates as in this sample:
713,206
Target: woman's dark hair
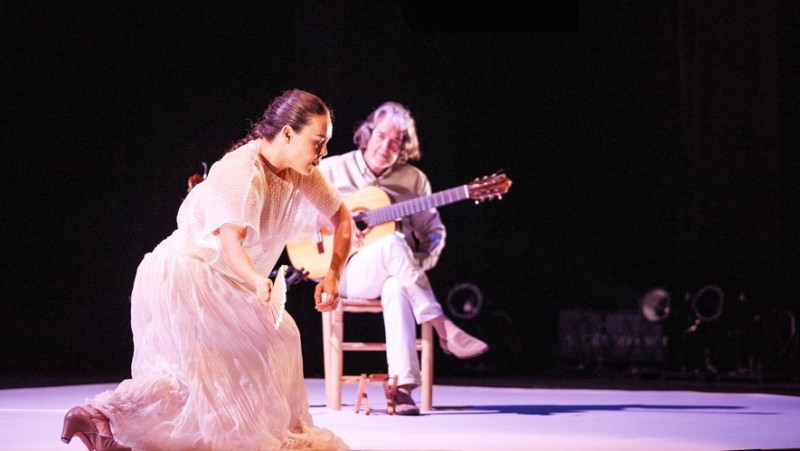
294,108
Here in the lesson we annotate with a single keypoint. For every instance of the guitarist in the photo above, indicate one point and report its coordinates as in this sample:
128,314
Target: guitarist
393,267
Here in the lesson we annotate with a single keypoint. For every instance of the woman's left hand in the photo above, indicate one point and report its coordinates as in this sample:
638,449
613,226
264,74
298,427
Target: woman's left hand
326,295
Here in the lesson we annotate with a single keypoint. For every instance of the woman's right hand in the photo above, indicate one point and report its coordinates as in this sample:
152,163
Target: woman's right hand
234,255
263,290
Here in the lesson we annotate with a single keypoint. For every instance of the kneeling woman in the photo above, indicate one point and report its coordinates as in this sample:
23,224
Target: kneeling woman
217,361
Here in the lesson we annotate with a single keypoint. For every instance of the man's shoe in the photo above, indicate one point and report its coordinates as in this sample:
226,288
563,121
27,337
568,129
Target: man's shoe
462,344
404,403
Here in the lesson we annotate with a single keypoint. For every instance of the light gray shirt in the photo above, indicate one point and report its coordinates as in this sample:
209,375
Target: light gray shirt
424,230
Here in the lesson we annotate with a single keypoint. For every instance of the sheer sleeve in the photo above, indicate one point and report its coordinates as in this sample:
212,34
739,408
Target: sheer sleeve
233,193
235,196
322,194
319,194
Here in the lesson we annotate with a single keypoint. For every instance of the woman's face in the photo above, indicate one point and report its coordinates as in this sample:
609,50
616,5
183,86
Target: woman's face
311,144
383,147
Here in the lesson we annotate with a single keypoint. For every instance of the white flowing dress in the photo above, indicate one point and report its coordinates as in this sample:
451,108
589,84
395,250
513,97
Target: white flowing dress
212,369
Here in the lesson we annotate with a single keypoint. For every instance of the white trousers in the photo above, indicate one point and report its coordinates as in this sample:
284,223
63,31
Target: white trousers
387,269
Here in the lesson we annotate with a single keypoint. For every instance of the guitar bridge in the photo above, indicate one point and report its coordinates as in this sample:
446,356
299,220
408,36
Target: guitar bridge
320,244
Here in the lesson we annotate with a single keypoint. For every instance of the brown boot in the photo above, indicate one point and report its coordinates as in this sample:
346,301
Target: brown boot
92,428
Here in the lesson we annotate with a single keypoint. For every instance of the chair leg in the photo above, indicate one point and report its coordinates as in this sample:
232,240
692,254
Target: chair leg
336,357
427,367
326,351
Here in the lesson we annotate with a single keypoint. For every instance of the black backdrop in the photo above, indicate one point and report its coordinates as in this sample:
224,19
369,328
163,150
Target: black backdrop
648,146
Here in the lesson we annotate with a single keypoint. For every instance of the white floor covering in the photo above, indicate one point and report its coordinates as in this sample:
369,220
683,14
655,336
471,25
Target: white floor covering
488,418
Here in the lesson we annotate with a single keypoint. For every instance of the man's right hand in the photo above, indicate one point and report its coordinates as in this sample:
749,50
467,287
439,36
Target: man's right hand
358,241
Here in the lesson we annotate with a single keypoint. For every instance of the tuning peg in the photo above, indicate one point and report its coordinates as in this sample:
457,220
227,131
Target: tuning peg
193,181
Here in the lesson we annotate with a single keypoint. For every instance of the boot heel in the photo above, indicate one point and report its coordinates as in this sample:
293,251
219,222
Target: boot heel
68,431
81,423
76,421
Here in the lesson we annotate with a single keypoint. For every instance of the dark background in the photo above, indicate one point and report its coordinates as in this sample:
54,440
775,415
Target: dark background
648,145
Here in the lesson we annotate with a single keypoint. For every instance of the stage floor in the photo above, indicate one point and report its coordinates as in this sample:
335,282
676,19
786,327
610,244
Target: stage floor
487,418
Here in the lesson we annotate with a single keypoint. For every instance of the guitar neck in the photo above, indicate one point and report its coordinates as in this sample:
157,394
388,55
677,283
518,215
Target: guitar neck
409,207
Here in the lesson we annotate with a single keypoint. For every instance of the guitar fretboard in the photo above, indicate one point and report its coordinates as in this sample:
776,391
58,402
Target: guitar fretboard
409,207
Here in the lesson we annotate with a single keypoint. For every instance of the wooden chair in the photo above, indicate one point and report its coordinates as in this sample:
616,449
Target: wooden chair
334,348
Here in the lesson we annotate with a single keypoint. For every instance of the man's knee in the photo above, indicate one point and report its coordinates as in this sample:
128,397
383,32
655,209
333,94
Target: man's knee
394,246
393,290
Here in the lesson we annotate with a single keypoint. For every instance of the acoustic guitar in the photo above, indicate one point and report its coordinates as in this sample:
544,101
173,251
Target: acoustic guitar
376,216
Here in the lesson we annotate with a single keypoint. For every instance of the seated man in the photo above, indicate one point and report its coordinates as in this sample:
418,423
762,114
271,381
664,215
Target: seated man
393,267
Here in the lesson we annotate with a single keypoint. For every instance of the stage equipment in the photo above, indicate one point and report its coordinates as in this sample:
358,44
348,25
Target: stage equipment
465,300
591,339
656,305
780,344
707,304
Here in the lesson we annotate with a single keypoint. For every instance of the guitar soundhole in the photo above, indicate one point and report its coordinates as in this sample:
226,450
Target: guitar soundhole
360,218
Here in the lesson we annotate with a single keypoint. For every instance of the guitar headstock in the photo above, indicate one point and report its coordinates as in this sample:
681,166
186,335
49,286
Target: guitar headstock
489,187
195,179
